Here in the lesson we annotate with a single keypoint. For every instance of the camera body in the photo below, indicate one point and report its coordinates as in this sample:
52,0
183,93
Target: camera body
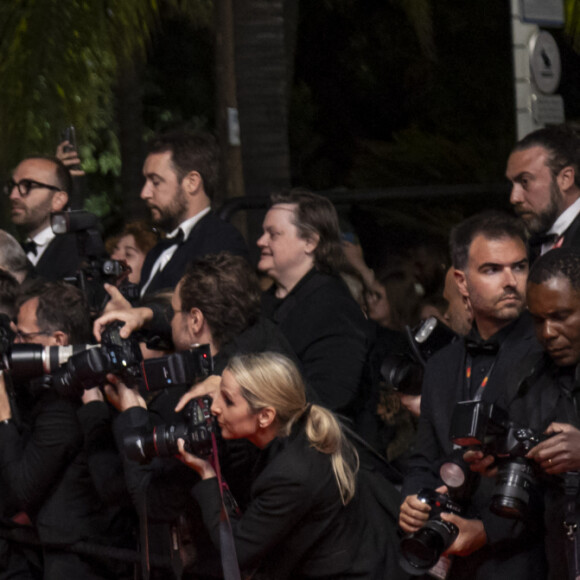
404,372
482,424
89,368
96,267
421,550
196,430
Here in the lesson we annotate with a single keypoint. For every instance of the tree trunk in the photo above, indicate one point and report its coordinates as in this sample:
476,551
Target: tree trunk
262,94
129,112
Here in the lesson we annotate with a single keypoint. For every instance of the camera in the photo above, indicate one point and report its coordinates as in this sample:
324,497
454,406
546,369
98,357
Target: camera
180,369
404,372
196,431
122,356
29,361
482,424
421,550
96,267
89,368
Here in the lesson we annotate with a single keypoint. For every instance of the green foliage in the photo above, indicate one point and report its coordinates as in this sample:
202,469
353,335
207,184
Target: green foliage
58,60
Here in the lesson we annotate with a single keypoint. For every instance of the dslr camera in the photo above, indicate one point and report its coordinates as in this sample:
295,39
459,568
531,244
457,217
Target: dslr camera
404,372
486,426
196,431
29,361
421,550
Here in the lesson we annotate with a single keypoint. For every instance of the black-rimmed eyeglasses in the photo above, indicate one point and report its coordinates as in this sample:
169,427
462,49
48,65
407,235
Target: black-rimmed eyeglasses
26,185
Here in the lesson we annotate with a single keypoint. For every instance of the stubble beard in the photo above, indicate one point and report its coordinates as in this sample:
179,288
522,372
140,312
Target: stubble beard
542,222
171,216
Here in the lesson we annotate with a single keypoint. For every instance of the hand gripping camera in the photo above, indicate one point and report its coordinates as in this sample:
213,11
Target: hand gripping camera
196,431
482,424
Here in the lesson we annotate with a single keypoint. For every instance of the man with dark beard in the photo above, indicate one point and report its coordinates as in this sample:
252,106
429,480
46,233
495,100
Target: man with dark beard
181,172
544,169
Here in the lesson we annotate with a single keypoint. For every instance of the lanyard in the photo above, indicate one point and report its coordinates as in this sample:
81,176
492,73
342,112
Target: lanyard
468,368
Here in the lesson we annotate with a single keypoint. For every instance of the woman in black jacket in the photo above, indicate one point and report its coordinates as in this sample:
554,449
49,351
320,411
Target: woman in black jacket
301,251
304,519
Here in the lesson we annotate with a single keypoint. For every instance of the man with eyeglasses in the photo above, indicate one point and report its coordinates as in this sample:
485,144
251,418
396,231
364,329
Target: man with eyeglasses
50,472
39,186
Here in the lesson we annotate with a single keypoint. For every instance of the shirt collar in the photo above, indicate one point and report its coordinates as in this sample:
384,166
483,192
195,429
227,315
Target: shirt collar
44,237
189,224
565,219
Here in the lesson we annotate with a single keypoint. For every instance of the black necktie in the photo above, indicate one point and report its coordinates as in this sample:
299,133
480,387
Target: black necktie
476,347
30,247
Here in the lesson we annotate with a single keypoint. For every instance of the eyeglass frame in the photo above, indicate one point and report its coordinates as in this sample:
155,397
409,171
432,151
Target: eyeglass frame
23,337
32,184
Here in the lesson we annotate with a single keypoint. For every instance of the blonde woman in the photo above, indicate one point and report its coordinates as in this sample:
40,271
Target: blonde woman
304,519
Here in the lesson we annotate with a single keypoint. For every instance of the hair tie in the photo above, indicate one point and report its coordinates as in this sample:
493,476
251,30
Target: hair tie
306,410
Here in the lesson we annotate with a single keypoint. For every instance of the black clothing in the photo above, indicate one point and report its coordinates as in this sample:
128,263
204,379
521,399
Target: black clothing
210,235
49,477
329,334
550,393
296,526
513,551
161,489
60,259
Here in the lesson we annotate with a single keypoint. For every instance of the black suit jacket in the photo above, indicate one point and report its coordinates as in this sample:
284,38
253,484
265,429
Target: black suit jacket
209,236
539,400
296,526
60,259
48,474
512,552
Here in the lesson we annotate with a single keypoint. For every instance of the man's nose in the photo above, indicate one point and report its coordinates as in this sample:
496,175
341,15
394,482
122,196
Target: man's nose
516,194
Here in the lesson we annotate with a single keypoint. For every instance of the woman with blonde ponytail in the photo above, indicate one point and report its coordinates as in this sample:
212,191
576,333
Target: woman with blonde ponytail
304,520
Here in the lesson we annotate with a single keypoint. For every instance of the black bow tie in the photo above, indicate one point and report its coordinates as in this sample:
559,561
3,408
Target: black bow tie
476,347
162,245
30,247
541,239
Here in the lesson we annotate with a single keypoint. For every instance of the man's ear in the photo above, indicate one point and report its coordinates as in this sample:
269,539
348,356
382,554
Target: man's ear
192,182
461,281
196,321
566,177
60,338
59,201
266,417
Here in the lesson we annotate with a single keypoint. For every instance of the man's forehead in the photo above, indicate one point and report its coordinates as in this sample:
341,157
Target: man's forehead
527,159
27,313
498,249
35,166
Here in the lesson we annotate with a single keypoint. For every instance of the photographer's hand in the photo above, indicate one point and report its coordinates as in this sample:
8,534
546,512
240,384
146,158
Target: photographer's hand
70,158
208,386
117,301
203,467
5,410
559,453
471,535
414,512
480,463
121,396
90,395
134,319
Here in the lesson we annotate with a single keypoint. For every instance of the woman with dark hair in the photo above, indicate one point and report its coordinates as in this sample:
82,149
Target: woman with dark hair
301,251
305,519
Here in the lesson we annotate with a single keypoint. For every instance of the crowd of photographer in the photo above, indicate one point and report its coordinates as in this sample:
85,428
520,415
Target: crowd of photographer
162,416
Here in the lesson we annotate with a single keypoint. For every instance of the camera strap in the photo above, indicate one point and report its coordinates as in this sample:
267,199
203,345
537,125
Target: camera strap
229,558
571,488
